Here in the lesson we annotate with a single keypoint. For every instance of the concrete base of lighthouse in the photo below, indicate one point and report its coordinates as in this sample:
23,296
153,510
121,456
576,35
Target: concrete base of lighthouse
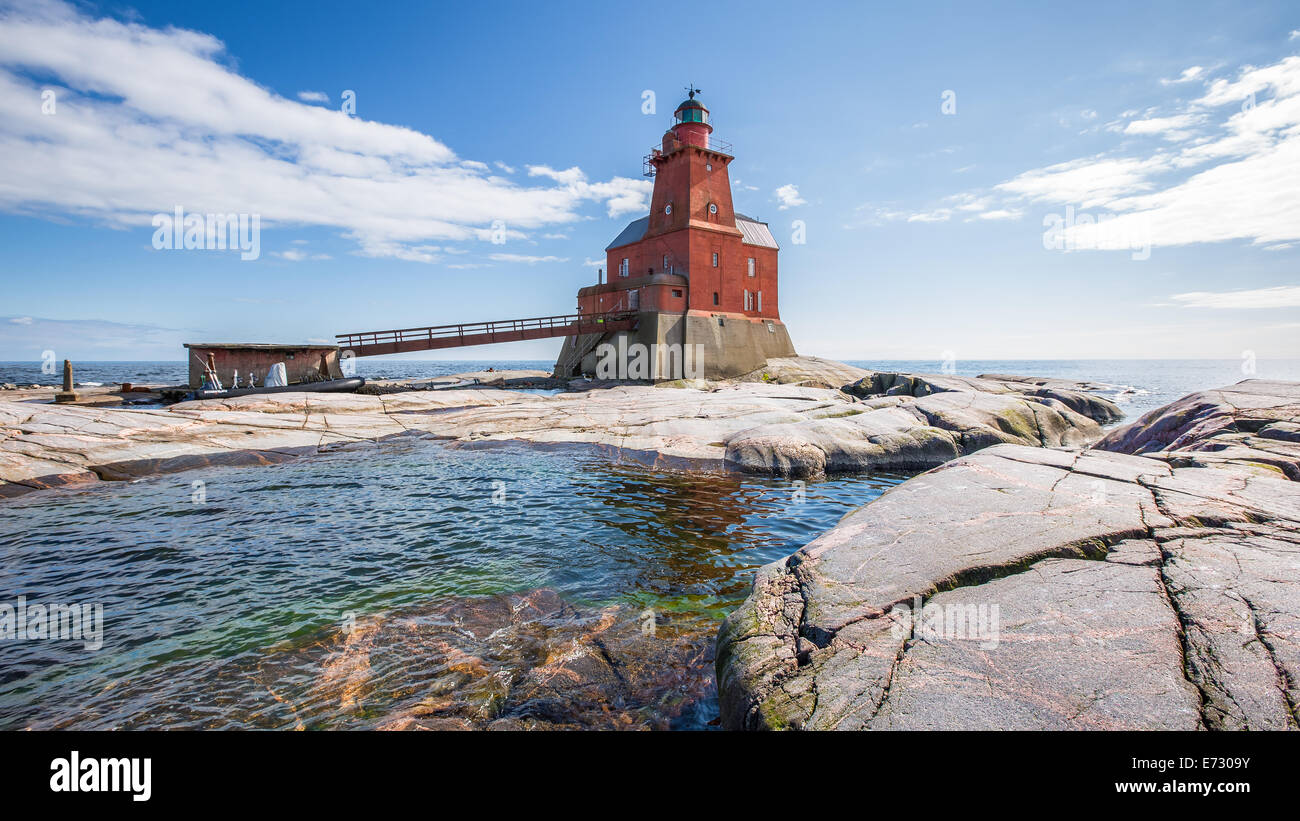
715,345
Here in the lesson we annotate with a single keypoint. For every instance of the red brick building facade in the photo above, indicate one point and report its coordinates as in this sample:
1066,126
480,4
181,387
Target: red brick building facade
694,258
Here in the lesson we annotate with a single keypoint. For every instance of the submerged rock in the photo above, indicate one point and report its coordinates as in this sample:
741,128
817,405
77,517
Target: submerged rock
521,661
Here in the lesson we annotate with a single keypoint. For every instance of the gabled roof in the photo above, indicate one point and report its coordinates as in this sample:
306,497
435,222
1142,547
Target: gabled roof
634,231
755,232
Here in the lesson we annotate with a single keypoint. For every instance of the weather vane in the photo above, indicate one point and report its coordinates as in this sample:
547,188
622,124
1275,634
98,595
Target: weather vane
691,91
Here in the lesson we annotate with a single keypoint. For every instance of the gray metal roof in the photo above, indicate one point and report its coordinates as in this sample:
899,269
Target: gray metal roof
633,232
755,232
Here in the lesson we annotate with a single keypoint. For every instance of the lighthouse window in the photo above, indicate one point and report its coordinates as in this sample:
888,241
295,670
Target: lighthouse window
677,292
715,264
751,266
760,302
667,267
715,294
622,268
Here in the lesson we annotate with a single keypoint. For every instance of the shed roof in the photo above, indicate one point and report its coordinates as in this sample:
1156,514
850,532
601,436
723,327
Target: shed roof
755,232
261,346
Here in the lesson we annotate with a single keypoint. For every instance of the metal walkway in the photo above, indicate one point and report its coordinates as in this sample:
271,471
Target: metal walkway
376,343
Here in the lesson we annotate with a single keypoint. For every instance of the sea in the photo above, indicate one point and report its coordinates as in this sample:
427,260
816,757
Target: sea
1138,385
227,593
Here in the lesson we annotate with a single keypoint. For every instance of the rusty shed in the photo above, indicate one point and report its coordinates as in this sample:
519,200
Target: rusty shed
302,363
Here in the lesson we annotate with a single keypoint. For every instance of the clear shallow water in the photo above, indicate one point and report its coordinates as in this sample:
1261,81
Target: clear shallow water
216,613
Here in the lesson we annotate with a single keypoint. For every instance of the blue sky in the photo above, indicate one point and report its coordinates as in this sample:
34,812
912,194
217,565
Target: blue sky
1176,124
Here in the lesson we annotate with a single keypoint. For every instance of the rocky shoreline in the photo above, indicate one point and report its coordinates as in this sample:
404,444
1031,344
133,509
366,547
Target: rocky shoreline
1141,578
1151,591
777,424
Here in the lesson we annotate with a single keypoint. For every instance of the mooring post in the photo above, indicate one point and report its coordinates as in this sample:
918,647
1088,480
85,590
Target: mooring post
66,395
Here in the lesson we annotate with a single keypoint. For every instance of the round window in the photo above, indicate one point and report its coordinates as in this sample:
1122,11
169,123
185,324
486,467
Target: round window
713,209
668,209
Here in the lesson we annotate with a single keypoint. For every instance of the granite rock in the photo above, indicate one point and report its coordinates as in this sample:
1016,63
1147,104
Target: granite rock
1027,588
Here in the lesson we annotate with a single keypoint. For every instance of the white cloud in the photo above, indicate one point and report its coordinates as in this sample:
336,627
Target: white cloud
313,96
1188,75
1295,35
1239,182
1002,214
148,119
1278,297
970,202
525,258
788,196
1087,181
21,320
296,255
940,215
1177,127
1236,178
622,195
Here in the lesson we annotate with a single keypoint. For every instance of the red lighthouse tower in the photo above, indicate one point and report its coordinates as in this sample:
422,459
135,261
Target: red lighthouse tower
695,271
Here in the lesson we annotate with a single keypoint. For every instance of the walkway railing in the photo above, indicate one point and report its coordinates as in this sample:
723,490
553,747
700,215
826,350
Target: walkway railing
372,343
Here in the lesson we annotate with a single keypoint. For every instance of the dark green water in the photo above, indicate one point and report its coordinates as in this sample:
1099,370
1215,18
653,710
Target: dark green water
222,608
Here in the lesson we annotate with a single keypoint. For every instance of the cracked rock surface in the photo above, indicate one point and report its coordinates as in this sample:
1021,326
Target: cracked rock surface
786,429
1028,588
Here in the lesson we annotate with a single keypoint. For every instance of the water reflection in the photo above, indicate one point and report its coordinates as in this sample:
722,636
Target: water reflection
232,612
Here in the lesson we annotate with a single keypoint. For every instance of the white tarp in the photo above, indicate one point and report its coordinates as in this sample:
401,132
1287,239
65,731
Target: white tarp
276,377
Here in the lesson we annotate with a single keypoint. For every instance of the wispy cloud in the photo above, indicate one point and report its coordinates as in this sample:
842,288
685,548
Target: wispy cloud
1188,75
1001,214
1239,180
313,96
525,258
1281,296
26,338
298,255
1177,127
134,97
